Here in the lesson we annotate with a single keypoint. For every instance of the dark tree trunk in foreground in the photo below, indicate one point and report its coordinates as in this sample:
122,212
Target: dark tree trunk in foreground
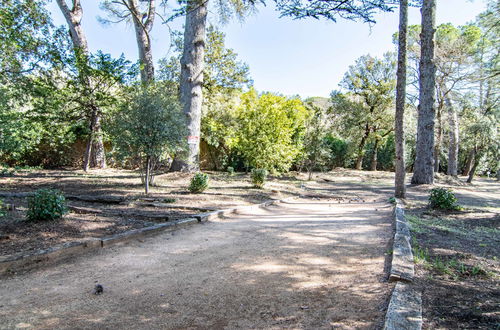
453,148
94,153
192,63
399,182
424,160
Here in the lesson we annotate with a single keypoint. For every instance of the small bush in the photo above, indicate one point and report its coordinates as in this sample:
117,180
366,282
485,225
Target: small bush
2,208
47,204
442,198
259,176
230,170
199,183
169,200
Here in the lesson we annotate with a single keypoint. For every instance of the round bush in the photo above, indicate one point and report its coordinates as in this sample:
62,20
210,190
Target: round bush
230,170
442,198
259,176
199,183
47,204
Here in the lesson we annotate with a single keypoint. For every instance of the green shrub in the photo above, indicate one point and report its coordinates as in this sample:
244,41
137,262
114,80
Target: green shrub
259,176
169,200
46,204
442,198
199,183
2,208
230,170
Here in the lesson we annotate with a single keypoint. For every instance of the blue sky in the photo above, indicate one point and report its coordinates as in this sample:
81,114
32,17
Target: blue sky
305,57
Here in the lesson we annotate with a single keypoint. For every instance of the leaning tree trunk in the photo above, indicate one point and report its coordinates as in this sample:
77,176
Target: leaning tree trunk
438,138
424,160
474,168
470,161
399,182
192,63
143,23
453,148
95,148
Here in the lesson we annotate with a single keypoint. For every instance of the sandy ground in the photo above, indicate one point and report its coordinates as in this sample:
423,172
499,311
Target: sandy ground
305,264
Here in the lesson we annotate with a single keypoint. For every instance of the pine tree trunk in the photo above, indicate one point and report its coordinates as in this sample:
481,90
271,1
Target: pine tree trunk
424,160
73,17
439,137
399,182
470,161
148,168
192,64
142,27
453,148
373,164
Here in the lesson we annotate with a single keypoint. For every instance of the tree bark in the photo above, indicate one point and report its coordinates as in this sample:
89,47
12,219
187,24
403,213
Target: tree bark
439,136
373,164
400,167
95,147
143,23
453,145
473,170
148,168
192,64
361,146
470,161
424,160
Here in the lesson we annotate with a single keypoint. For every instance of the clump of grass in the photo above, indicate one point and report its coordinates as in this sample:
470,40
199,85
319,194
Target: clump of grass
169,200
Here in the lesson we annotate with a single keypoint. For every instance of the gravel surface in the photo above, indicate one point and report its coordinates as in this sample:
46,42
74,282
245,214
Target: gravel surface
304,264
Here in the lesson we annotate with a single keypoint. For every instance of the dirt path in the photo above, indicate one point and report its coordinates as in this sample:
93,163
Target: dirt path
303,264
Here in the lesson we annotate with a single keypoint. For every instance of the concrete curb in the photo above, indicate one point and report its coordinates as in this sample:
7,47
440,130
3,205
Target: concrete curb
27,261
402,268
405,307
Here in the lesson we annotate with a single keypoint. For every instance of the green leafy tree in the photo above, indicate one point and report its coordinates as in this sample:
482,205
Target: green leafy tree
150,127
270,132
364,111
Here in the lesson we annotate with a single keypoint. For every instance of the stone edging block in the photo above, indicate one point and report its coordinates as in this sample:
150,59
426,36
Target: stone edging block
402,267
405,309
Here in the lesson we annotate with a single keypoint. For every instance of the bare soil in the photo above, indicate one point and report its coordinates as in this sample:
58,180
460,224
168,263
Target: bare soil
97,220
300,265
458,256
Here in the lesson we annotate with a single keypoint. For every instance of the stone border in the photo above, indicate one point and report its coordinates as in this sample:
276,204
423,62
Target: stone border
26,261
402,268
405,308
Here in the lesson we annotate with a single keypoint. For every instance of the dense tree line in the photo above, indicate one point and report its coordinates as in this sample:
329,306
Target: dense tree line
61,105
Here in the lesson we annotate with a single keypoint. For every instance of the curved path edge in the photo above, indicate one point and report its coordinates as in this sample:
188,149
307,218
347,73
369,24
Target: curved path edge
62,252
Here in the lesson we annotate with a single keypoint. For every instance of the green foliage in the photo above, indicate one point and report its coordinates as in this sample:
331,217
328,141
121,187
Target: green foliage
392,200
442,198
338,150
46,204
259,177
199,183
169,200
2,208
149,122
271,130
230,170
